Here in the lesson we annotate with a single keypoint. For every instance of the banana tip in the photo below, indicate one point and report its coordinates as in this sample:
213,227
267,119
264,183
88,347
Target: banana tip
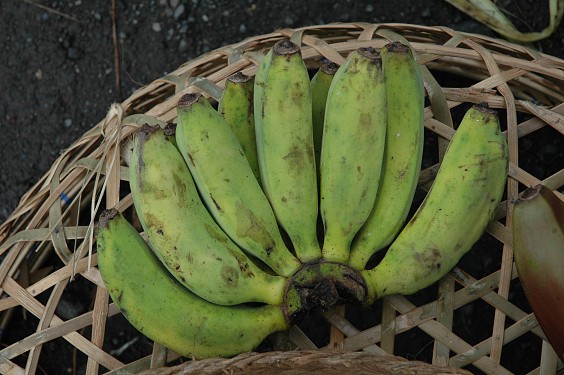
329,68
529,194
285,47
147,129
239,77
106,216
169,129
485,108
397,47
189,99
369,52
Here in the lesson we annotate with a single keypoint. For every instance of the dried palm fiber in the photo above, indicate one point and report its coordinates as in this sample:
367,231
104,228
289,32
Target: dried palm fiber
470,319
307,362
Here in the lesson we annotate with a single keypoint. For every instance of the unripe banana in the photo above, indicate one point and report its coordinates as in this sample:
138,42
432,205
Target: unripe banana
182,232
320,84
227,185
166,312
458,207
236,107
402,154
283,126
352,151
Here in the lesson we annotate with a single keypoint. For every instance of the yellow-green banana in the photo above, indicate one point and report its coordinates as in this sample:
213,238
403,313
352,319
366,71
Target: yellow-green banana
460,204
182,232
236,107
352,150
402,154
227,185
320,83
165,311
283,126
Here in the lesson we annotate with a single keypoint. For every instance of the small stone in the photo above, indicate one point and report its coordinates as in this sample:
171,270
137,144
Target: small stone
179,11
426,13
156,27
205,18
73,53
97,16
67,123
183,45
169,34
369,8
44,16
289,21
242,28
39,74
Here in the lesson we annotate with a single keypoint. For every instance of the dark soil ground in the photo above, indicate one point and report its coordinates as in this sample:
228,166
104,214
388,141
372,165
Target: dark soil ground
58,79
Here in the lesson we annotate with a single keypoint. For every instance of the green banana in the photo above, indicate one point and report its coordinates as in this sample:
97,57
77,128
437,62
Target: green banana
236,107
283,126
454,214
182,232
227,185
166,312
320,84
352,150
402,154
538,247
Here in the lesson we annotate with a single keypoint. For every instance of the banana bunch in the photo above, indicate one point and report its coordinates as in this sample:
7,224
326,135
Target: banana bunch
271,205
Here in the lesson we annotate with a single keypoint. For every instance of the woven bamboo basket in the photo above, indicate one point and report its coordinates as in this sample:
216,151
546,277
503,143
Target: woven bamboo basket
476,318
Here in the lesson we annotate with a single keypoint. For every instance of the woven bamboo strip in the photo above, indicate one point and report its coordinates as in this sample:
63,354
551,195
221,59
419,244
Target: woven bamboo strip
45,321
482,349
301,339
388,326
99,315
349,330
158,356
52,332
549,363
404,322
500,303
336,336
36,308
10,368
48,281
445,315
445,336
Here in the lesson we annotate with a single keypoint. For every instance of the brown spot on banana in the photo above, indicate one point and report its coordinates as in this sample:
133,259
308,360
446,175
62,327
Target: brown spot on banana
295,157
249,226
230,276
215,234
217,206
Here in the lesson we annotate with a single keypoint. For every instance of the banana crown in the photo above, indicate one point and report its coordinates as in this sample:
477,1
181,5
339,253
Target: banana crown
273,202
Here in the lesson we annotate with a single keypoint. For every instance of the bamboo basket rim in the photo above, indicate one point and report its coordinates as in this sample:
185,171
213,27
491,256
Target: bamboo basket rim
86,178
